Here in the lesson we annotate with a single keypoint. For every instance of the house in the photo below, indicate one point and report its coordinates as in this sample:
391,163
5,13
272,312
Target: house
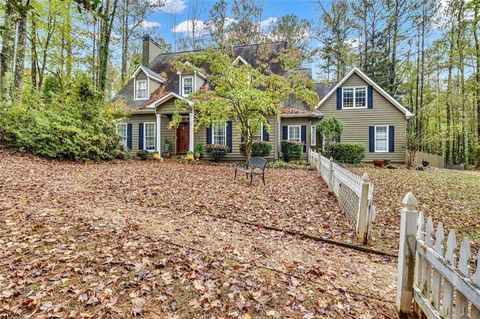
155,85
369,116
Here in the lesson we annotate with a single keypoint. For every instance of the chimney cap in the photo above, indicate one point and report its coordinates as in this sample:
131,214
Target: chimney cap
146,36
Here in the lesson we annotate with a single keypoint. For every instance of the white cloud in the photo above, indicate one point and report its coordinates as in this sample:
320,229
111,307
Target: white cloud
354,43
149,24
268,22
187,27
172,6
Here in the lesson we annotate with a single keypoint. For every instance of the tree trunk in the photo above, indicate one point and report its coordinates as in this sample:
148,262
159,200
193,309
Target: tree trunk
8,47
104,46
20,55
124,40
448,142
33,48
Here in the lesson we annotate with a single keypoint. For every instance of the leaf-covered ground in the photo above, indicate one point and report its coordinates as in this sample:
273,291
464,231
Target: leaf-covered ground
166,240
451,197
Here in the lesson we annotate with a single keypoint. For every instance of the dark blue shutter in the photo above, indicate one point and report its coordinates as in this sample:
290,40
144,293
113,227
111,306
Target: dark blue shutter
370,97
371,139
229,136
209,135
339,98
284,132
391,138
303,136
140,136
266,136
129,136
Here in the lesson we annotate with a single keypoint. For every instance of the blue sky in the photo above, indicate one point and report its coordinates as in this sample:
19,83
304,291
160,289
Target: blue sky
163,18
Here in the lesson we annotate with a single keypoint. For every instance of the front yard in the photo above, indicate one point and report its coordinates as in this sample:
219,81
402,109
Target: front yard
168,240
451,197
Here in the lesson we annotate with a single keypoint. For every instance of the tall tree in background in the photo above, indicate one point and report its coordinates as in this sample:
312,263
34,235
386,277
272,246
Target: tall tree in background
293,30
336,31
8,49
217,26
246,28
106,25
475,26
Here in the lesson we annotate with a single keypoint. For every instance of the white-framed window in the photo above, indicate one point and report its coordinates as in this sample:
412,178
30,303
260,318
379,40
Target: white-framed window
141,89
122,132
149,136
219,134
381,138
354,97
294,133
313,135
187,85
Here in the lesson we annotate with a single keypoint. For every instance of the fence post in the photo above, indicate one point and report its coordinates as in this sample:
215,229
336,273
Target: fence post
406,255
330,175
362,213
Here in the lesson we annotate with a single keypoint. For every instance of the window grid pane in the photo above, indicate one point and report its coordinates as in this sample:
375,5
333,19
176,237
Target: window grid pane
360,97
294,133
381,139
218,134
122,132
150,136
187,86
347,97
141,89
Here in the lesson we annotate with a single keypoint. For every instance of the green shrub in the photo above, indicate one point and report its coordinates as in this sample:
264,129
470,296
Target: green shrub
64,126
216,151
291,150
348,153
261,148
142,154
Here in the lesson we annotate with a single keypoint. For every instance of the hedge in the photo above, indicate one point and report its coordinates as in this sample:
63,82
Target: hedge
291,150
261,148
348,153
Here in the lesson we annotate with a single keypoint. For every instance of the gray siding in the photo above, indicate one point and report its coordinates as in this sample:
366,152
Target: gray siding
357,121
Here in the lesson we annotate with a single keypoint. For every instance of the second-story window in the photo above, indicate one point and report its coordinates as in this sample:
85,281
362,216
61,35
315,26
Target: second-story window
187,85
141,89
354,97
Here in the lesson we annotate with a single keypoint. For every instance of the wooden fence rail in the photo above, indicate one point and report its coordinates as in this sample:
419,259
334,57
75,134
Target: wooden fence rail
354,193
433,276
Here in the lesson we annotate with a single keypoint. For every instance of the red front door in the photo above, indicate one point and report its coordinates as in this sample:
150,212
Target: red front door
183,132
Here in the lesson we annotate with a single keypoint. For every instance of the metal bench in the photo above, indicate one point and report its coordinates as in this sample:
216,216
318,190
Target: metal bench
255,166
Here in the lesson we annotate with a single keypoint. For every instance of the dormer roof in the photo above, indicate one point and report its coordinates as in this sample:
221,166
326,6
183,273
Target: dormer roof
149,73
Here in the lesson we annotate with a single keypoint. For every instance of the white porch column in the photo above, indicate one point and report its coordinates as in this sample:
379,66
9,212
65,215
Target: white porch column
158,127
190,139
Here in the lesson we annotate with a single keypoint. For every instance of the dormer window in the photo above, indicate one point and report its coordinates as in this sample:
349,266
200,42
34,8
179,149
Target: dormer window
141,90
187,85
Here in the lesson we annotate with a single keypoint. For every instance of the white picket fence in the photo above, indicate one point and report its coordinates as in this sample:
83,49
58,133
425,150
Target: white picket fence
354,193
433,276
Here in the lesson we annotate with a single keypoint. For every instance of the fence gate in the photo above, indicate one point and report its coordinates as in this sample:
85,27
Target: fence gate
433,274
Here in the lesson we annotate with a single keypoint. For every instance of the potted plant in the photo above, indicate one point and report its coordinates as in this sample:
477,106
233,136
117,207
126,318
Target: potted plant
190,155
166,148
198,150
156,156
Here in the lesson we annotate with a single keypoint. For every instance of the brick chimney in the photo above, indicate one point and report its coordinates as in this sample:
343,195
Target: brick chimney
150,49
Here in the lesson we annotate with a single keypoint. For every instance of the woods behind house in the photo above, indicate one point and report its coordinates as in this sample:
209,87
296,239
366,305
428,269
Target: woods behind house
425,53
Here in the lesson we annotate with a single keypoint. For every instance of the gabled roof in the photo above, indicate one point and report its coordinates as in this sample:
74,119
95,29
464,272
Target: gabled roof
165,98
403,109
149,73
239,59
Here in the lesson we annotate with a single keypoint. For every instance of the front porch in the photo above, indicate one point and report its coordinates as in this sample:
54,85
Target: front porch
180,139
